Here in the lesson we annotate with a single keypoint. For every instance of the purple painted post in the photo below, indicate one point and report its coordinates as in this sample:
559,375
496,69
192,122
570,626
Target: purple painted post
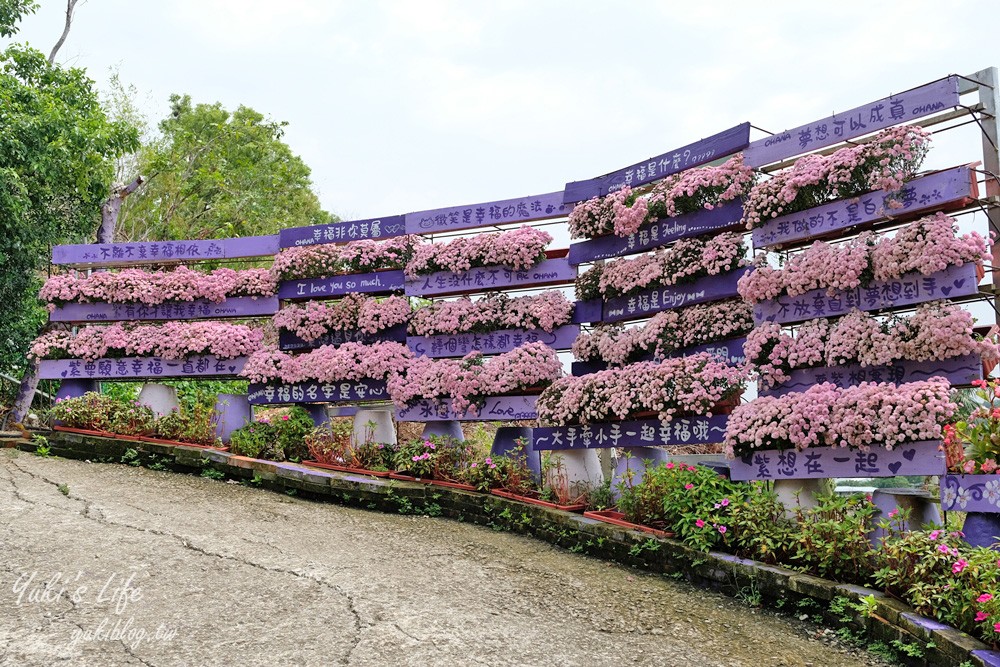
914,458
586,312
342,232
650,302
488,278
700,152
505,443
655,234
318,413
911,289
447,428
503,212
232,412
633,466
494,342
75,388
922,511
893,110
381,282
982,529
931,192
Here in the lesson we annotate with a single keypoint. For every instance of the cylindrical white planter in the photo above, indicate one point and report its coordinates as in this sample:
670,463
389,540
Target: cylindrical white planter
373,426
159,398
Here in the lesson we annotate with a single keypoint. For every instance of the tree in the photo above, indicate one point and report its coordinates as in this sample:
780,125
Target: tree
214,174
57,153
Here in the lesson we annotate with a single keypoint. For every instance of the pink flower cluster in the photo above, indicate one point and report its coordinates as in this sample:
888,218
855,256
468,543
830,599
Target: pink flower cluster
151,288
347,362
885,163
684,261
684,385
493,312
365,256
355,312
468,381
517,249
928,245
173,340
936,331
665,333
623,212
870,414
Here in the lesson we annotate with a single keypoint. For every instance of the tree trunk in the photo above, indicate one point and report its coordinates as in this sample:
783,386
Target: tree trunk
105,234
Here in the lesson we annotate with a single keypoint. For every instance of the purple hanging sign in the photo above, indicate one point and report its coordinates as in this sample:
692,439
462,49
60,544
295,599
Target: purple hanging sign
730,351
312,391
163,252
912,458
502,212
495,408
893,110
129,368
289,341
342,232
547,272
380,282
970,493
700,152
200,309
921,194
912,288
724,218
635,433
650,302
493,342
957,370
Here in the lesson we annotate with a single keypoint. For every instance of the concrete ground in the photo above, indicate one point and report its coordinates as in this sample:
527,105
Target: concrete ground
112,565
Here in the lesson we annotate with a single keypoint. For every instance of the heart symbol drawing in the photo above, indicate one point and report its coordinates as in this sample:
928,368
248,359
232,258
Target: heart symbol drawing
908,454
894,467
959,283
64,373
232,369
946,290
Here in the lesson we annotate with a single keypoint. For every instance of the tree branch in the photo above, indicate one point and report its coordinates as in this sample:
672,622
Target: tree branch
70,5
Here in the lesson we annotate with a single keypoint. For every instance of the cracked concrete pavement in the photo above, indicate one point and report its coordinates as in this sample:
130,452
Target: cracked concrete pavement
128,566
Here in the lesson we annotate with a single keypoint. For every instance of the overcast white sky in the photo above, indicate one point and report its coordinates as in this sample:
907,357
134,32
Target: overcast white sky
409,105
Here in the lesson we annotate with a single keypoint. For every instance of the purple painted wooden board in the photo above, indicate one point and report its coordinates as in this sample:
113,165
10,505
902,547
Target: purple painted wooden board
893,110
635,433
921,194
494,342
496,408
489,278
659,233
585,312
382,282
342,232
317,392
162,252
970,493
502,212
912,288
289,341
730,351
915,458
958,370
130,368
700,152
650,302
200,309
